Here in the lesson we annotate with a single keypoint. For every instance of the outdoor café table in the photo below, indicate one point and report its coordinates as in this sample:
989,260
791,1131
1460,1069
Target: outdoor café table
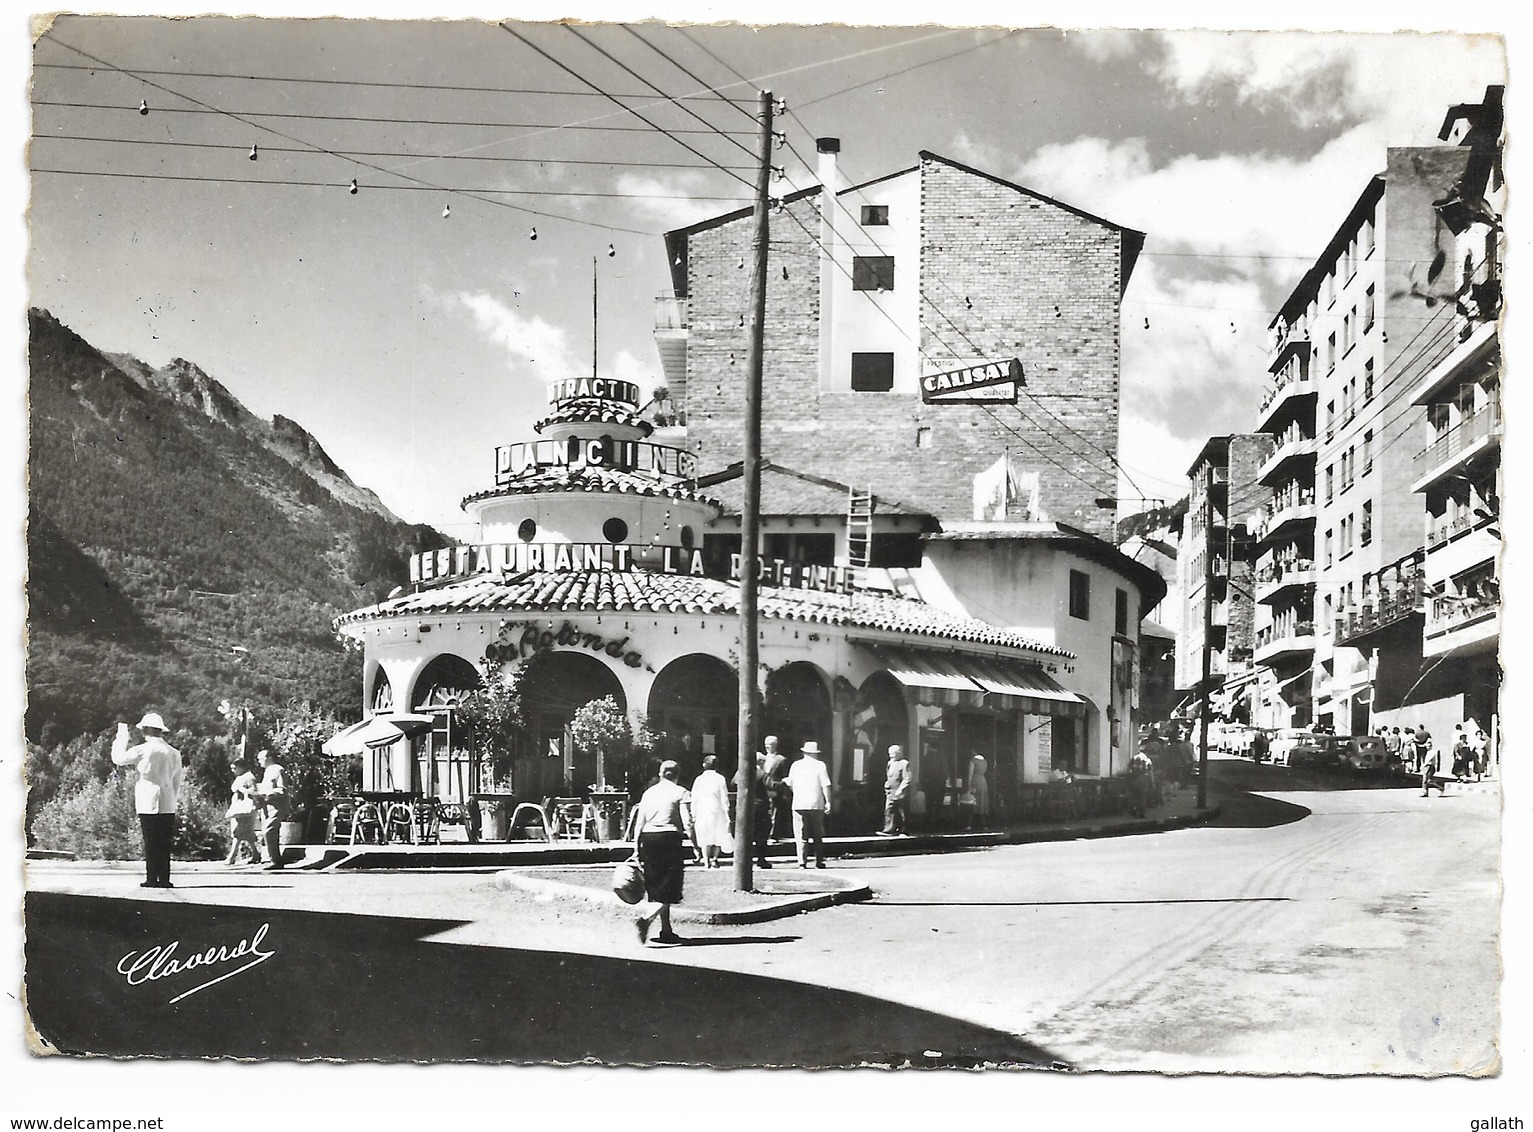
386,800
608,804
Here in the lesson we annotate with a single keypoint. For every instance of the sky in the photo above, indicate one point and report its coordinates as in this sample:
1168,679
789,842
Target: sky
413,326
411,345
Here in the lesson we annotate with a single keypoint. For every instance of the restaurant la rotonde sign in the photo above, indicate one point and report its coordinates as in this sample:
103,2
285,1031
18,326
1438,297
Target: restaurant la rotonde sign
455,563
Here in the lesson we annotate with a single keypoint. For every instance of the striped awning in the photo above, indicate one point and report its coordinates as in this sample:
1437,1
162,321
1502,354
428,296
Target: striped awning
952,680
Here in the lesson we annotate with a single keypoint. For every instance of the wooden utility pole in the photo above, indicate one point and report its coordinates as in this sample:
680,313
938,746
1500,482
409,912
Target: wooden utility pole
750,515
1204,712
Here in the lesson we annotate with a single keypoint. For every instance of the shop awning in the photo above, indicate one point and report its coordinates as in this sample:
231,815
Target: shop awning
1023,687
375,731
948,680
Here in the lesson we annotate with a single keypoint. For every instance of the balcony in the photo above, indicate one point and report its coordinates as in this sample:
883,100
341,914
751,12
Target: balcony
672,328
1285,513
1463,623
1280,644
1391,609
1292,447
1274,580
1476,433
1284,399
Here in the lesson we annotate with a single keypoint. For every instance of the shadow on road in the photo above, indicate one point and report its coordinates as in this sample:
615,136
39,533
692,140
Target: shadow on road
735,940
101,975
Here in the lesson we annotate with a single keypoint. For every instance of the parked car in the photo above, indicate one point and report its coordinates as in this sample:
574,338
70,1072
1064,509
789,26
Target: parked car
1284,741
1368,754
1237,738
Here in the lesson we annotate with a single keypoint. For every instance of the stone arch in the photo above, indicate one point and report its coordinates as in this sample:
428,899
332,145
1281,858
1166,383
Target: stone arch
555,684
880,718
798,707
445,679
694,703
380,696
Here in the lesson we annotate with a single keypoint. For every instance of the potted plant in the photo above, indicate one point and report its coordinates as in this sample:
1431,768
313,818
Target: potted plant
312,776
602,728
491,716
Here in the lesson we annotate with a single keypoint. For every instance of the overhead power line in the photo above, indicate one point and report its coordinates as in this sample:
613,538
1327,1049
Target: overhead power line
385,120
621,106
372,188
413,157
294,80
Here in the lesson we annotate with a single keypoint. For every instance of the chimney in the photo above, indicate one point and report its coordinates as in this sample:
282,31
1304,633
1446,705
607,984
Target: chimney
829,171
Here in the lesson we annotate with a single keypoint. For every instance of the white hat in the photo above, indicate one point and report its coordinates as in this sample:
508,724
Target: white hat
152,719
810,748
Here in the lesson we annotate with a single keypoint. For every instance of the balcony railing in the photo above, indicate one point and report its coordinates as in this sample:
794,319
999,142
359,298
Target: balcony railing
1476,426
1275,633
1446,529
671,313
1450,611
1277,571
1392,593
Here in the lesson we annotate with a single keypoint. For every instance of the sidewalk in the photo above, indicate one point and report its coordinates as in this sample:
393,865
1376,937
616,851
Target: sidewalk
1180,810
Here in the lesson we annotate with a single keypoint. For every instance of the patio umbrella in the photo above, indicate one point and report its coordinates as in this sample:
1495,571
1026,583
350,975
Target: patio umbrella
374,732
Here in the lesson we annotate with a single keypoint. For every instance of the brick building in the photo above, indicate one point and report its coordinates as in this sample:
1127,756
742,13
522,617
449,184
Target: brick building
928,270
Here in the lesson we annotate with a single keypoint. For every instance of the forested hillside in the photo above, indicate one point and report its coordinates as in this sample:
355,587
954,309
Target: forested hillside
182,551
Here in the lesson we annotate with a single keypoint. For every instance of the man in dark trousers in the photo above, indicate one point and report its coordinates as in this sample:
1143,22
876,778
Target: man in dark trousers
769,771
161,779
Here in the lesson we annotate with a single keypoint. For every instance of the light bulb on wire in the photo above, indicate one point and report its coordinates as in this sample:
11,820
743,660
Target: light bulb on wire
255,151
533,235
353,189
143,106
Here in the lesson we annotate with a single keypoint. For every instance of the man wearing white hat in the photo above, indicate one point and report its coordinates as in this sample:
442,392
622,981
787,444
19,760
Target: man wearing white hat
809,782
156,793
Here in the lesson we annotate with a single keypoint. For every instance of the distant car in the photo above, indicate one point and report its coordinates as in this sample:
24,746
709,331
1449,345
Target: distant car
1368,754
1238,738
1285,740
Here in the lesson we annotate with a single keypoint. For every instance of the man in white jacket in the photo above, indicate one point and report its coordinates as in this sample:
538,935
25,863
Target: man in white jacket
809,782
156,794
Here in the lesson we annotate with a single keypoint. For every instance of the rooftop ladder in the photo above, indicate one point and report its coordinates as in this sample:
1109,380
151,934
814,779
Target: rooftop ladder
859,527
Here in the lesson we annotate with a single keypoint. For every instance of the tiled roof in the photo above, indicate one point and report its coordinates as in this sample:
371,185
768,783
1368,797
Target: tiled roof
785,491
642,591
563,477
593,410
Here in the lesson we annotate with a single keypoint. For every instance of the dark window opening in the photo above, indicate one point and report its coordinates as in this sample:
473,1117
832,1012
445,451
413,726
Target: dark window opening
614,530
717,552
1080,595
873,273
688,538
896,549
875,214
1120,614
800,549
872,373
527,531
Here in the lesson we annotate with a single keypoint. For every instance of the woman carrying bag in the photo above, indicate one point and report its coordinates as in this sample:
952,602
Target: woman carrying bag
661,827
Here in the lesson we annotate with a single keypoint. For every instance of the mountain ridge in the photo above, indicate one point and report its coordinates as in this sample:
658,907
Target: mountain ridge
182,550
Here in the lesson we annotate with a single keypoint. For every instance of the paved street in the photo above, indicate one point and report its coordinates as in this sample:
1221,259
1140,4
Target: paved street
1313,929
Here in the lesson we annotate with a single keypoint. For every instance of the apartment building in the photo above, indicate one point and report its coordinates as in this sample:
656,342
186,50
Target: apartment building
1216,567
1350,348
1430,619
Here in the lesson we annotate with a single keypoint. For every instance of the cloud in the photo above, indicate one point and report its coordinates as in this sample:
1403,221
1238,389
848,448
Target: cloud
1330,77
534,347
667,200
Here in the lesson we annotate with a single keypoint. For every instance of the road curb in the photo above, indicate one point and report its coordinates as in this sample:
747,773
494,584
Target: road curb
775,910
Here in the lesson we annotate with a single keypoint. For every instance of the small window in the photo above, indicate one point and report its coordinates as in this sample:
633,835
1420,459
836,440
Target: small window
923,436
1080,595
614,530
688,538
872,373
873,273
527,531
1120,614
875,214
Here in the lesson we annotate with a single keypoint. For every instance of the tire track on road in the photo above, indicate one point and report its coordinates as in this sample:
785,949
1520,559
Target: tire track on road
1270,880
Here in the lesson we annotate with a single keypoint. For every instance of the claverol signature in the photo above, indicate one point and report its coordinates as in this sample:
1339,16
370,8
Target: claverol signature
161,961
